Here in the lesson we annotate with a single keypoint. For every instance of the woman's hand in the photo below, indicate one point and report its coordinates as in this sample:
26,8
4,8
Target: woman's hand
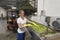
23,26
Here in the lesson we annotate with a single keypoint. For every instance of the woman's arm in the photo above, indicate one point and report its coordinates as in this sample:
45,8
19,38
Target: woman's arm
20,25
28,21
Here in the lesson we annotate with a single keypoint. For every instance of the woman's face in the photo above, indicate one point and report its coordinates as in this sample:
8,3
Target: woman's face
21,14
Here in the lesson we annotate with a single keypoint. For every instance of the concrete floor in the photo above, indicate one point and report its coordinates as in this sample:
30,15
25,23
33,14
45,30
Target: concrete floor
8,35
4,34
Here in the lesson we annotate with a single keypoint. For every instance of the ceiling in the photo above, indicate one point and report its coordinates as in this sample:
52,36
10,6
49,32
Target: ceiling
9,3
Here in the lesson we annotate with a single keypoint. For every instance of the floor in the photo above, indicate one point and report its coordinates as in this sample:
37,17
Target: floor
8,35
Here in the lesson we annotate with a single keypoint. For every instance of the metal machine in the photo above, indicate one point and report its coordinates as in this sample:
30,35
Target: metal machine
51,8
11,20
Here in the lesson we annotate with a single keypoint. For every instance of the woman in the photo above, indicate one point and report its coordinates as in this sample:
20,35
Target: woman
21,21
